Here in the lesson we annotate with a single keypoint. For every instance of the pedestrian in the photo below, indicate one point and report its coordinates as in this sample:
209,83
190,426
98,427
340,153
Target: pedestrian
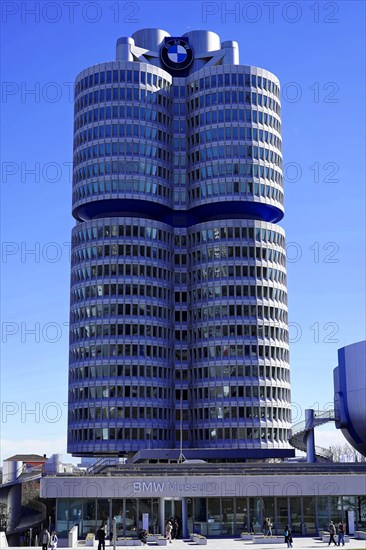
45,539
168,531
341,531
101,538
332,532
288,536
175,529
269,527
142,536
54,540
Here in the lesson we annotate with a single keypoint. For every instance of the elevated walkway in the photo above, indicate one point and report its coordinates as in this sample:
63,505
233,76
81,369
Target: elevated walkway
303,438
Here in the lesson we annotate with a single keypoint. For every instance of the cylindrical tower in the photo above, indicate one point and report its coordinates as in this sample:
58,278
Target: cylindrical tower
179,329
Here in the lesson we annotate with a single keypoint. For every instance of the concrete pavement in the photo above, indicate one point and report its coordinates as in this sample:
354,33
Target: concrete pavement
237,544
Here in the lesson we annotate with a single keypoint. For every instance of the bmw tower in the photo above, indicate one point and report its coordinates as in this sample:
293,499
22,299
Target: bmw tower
178,322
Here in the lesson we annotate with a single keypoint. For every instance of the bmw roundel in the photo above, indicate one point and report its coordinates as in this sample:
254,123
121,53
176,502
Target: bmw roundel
176,53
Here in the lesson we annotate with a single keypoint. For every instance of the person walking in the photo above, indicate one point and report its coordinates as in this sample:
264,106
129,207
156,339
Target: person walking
341,532
45,539
54,540
288,536
332,532
168,531
101,538
269,527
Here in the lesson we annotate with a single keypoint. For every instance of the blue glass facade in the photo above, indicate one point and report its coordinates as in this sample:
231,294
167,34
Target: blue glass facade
178,280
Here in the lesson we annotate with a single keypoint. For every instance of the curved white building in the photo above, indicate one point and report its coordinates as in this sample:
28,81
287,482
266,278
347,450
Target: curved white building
179,336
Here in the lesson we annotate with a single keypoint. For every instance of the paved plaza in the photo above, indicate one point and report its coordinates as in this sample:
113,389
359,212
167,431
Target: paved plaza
236,544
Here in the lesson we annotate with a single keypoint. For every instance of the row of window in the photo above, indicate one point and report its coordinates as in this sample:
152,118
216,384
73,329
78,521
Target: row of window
236,291
230,169
143,290
111,370
119,330
222,311
121,270
131,437
220,251
265,414
234,331
108,311
118,112
122,148
232,392
196,374
233,79
106,94
118,413
142,150
195,275
229,99
127,229
147,186
116,76
113,131
138,229
91,392
220,412
196,314
222,351
235,151
222,188
126,251
225,132
128,130
160,292
239,271
123,167
235,371
197,397
124,330
200,253
81,353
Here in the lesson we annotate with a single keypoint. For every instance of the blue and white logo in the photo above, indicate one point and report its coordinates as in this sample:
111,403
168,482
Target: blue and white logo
176,54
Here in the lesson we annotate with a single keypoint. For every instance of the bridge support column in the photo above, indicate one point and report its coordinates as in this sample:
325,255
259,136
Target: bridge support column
309,435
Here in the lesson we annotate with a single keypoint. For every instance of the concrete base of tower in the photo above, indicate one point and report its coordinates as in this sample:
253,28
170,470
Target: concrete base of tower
230,455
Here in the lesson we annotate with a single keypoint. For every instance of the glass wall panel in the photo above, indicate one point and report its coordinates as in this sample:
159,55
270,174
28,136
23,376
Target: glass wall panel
200,516
103,515
62,515
155,516
295,515
227,516
214,517
241,516
323,514
282,514
361,512
89,524
309,516
335,509
190,515
256,507
117,512
145,508
131,517
268,511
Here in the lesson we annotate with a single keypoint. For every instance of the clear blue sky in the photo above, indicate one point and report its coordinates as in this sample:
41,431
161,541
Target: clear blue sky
316,49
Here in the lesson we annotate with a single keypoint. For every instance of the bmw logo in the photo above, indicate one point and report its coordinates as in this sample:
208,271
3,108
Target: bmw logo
176,53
